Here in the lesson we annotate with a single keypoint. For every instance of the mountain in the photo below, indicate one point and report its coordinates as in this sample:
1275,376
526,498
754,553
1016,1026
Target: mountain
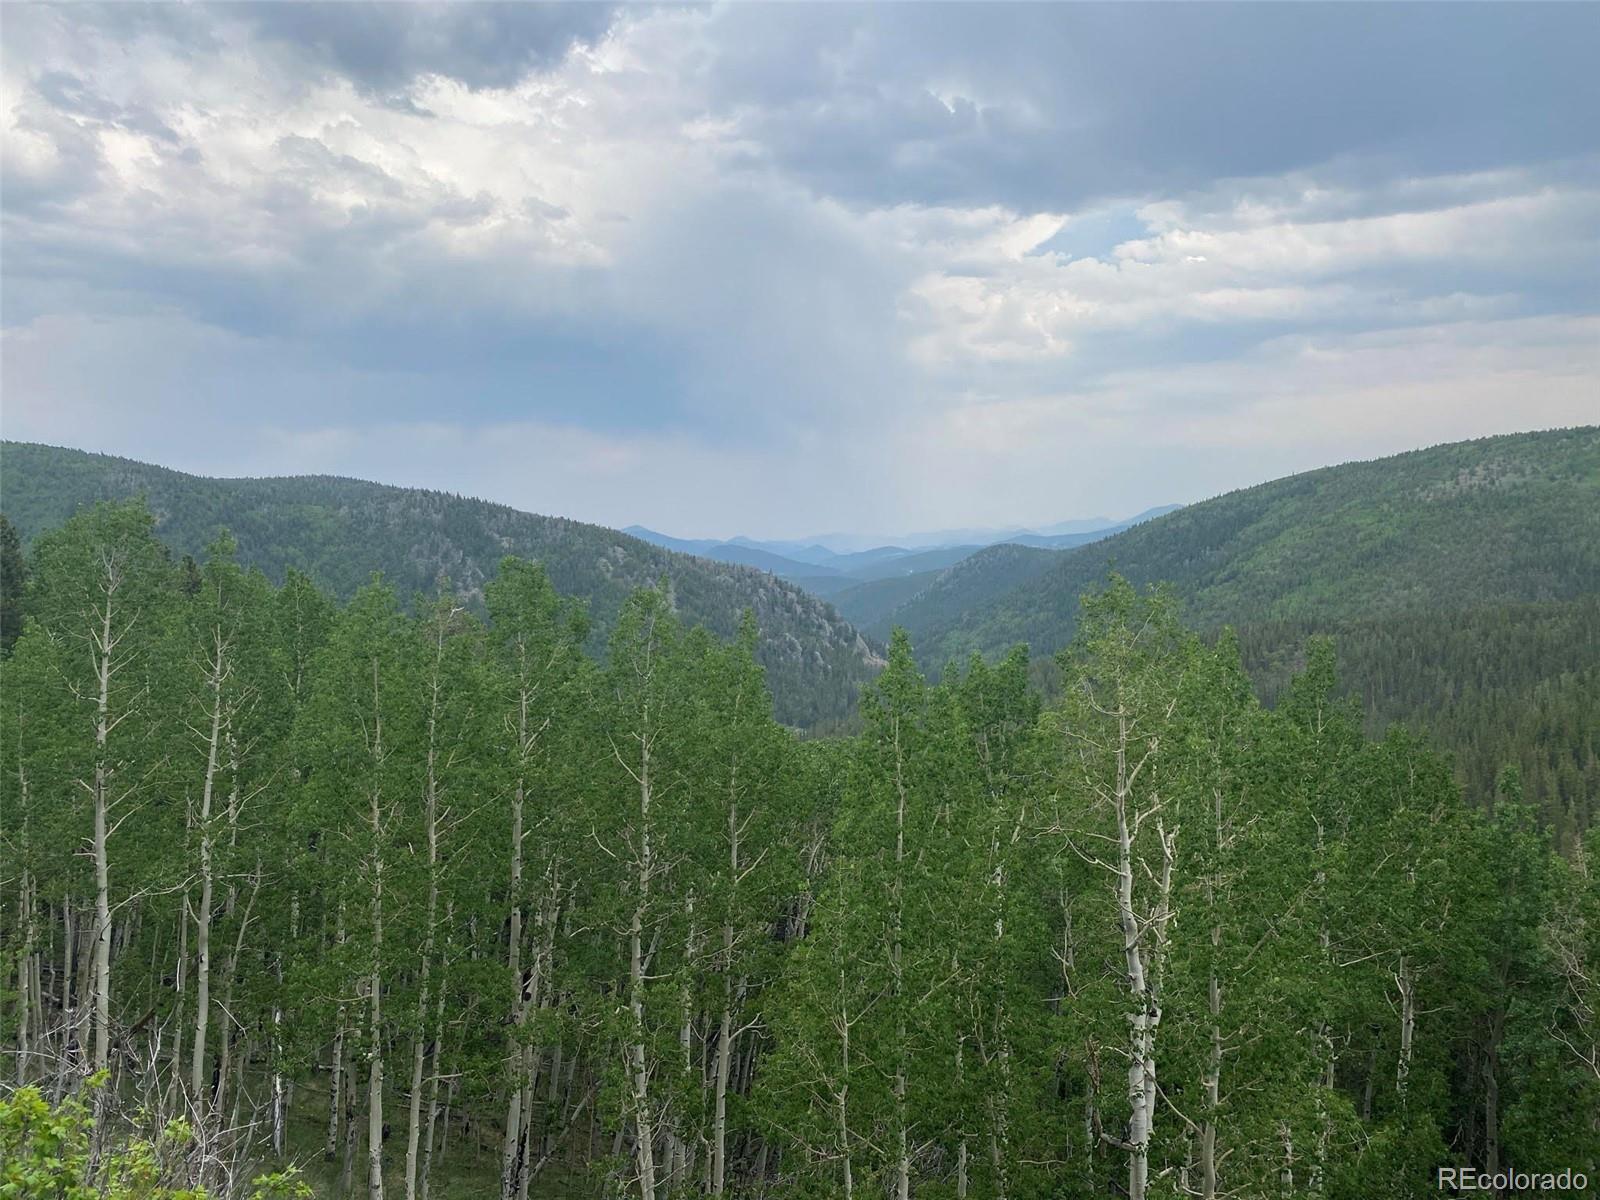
848,551
955,580
844,575
1504,519
339,531
1460,585
888,562
742,551
944,597
681,545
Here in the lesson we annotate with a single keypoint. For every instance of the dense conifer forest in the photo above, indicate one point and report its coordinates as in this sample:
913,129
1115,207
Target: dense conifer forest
400,896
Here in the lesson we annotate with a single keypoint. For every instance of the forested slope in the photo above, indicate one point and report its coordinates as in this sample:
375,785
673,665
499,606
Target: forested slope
1494,685
967,587
1496,520
425,905
339,531
1459,583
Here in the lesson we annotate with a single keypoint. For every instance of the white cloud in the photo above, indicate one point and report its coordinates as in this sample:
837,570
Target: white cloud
241,247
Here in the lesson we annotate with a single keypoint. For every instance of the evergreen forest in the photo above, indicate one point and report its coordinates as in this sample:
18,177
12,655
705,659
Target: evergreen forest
398,895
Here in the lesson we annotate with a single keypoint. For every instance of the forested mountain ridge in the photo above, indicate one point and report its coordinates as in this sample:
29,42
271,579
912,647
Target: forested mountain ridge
1495,520
1458,582
339,531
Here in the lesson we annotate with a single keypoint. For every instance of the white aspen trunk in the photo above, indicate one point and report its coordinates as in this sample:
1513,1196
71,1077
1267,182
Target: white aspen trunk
525,1179
25,960
24,973
1000,1105
282,1097
902,1175
278,1098
431,818
639,1077
336,1068
102,866
1408,1022
1491,1094
719,1118
375,1071
202,979
842,1095
433,1076
1144,962
375,983
347,1174
1139,1033
419,1052
644,1132
719,1114
512,1164
230,977
1213,1080
680,1156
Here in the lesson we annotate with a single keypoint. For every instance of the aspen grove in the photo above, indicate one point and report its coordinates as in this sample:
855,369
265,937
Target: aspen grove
417,897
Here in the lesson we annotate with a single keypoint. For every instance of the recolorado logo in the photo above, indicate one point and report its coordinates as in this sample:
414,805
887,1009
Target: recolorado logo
1470,1179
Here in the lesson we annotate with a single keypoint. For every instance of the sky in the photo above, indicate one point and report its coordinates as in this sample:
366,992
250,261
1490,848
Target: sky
779,269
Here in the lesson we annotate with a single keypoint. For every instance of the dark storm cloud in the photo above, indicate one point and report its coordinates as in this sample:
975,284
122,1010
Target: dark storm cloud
383,46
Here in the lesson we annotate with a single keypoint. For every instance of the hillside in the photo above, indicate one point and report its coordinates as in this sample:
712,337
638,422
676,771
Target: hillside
952,580
1497,520
936,596
1459,584
339,531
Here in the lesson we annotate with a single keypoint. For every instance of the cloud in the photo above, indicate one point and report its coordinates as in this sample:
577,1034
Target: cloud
805,265
1050,107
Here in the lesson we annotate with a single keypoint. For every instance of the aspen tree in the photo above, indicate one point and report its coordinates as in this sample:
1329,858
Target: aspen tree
1125,677
101,607
749,866
537,639
450,682
635,824
357,736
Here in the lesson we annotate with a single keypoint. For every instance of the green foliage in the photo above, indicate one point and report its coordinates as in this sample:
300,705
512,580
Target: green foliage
590,919
1459,582
48,1153
13,579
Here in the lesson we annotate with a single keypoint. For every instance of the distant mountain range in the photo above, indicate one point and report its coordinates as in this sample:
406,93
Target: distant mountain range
340,531
826,567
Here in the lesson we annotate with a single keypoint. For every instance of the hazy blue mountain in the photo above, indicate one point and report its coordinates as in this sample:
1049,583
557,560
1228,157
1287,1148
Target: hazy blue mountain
916,562
681,545
735,550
